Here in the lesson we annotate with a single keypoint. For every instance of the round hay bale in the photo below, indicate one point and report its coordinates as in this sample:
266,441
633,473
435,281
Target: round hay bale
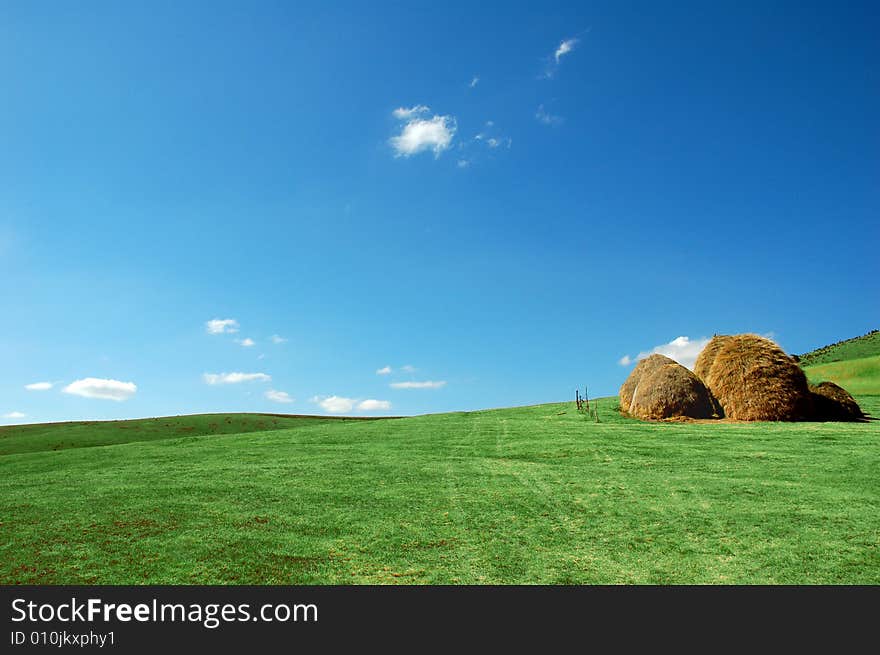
754,380
671,391
707,356
644,367
833,403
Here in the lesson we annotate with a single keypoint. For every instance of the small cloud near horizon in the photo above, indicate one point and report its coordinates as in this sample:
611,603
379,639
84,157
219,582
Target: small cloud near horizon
235,378
278,396
372,405
102,389
683,350
427,384
39,386
334,404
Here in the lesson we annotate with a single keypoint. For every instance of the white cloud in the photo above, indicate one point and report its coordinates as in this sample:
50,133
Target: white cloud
546,118
235,378
408,368
15,415
101,388
564,48
39,386
334,404
385,370
428,384
474,81
404,113
371,405
421,134
463,163
279,396
246,343
277,339
222,326
681,349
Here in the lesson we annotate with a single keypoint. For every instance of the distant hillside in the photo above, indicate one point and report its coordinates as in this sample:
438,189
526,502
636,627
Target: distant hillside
84,434
858,376
867,345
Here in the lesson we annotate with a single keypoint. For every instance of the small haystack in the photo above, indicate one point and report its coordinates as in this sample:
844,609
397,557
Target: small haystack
707,356
643,368
833,403
754,380
671,391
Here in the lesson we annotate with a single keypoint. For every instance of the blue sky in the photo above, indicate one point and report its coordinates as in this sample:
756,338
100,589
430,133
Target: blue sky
564,186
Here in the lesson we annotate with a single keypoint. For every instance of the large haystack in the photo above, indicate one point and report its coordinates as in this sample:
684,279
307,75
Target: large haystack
754,380
707,356
643,368
833,403
671,391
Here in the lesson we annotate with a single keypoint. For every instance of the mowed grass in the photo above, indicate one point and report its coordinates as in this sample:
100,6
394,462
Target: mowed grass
524,495
83,434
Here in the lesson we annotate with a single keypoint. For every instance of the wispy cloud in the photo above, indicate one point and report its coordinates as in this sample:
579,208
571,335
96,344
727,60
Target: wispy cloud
39,386
427,384
385,370
474,81
222,326
564,48
101,388
462,163
334,404
684,350
422,134
235,378
15,415
371,405
408,368
246,343
547,118
405,113
279,396
276,339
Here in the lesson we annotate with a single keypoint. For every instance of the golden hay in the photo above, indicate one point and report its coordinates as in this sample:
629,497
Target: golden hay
833,403
643,368
671,391
754,380
707,356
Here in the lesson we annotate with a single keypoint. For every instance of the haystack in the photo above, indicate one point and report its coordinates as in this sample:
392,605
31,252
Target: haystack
671,391
833,403
643,368
707,356
754,380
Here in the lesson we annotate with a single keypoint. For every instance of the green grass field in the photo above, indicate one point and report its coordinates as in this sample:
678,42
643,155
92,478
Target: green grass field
524,495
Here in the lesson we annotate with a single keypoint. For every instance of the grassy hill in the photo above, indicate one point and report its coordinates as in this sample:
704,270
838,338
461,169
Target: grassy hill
867,345
858,376
523,495
83,434
854,364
